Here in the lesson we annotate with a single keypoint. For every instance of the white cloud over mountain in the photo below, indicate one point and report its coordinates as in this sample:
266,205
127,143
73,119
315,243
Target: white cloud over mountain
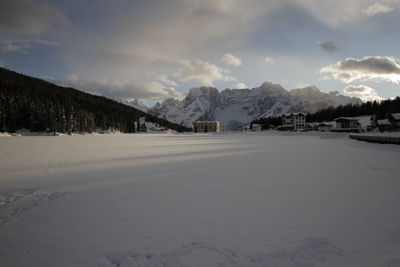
371,68
363,92
151,90
163,78
203,72
241,85
231,59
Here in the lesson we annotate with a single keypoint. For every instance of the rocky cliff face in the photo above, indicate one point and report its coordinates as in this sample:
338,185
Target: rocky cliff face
235,107
136,103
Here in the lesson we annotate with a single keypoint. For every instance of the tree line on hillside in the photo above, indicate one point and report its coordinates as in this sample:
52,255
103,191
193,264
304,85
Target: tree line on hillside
267,123
380,109
40,106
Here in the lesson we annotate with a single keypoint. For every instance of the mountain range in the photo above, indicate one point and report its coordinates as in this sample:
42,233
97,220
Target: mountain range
236,107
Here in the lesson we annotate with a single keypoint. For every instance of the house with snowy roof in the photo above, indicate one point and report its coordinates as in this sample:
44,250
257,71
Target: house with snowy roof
394,118
293,121
390,122
344,124
384,125
324,127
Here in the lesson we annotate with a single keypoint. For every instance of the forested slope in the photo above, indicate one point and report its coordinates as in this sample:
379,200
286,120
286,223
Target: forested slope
38,105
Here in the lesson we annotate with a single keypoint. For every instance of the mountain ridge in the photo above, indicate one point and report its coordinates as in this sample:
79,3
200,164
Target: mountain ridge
235,107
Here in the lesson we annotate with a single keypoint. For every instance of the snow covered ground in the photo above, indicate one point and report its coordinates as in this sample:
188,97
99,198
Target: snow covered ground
256,199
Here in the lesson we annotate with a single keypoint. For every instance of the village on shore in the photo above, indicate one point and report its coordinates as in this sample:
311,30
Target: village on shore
297,122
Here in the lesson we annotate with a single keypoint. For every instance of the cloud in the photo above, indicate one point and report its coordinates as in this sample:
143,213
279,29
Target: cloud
162,78
371,68
241,85
117,89
115,41
269,60
2,64
231,60
23,45
328,46
180,29
365,93
202,72
377,8
29,16
334,13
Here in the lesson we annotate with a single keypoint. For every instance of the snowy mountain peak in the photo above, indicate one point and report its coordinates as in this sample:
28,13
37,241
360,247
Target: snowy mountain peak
306,90
266,84
268,87
312,88
236,107
170,102
335,93
133,102
202,91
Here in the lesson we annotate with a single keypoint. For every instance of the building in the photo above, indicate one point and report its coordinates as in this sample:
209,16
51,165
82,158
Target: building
390,122
384,125
343,124
206,126
256,127
293,121
324,127
394,118
311,127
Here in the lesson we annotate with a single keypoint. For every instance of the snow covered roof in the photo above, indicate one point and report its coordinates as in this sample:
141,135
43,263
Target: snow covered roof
325,124
294,114
396,116
384,122
207,122
346,118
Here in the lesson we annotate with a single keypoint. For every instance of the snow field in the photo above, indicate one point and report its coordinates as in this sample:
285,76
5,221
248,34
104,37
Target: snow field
258,199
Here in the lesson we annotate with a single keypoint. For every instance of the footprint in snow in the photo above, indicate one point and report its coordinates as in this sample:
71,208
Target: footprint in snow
14,204
308,253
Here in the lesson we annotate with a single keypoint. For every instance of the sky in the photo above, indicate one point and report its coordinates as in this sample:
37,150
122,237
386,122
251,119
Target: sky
158,49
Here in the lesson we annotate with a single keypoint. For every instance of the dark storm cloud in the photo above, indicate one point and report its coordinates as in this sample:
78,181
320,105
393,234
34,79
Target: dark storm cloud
328,46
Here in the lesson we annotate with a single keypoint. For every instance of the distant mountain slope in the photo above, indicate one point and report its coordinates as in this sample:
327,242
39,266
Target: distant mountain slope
38,105
235,107
133,102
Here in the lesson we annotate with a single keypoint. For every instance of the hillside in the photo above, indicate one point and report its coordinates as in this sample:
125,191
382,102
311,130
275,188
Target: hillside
38,105
380,109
